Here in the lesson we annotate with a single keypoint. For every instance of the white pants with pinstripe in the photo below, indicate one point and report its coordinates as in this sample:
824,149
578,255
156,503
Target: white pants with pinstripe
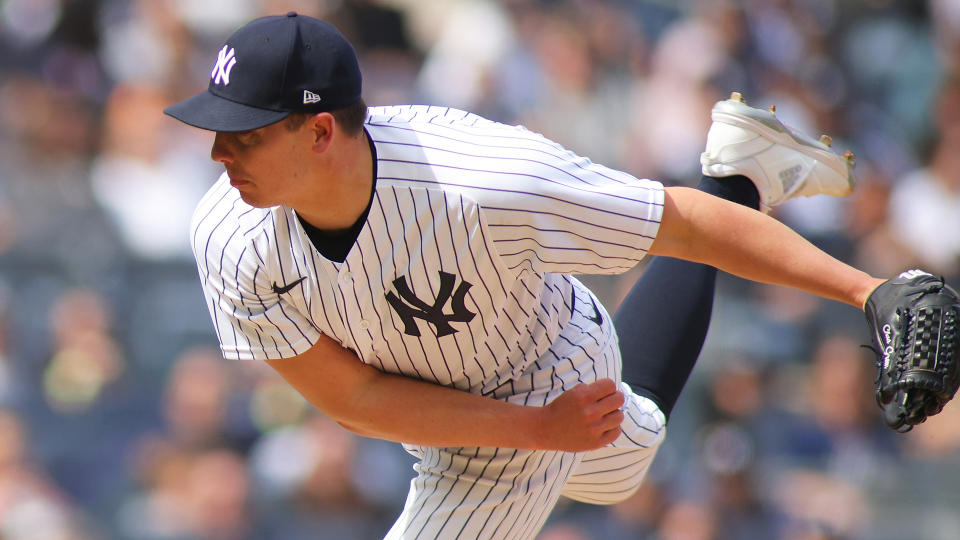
500,493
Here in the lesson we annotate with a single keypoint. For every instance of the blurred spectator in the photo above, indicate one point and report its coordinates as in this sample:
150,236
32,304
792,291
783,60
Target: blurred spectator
670,107
729,464
564,531
31,505
189,481
938,438
143,41
638,516
831,421
195,399
186,494
580,105
475,36
689,520
874,248
48,139
390,60
818,506
11,376
85,359
149,175
925,204
945,15
218,494
311,472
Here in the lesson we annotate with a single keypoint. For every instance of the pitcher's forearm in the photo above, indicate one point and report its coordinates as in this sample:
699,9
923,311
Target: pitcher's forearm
405,410
392,407
749,244
586,417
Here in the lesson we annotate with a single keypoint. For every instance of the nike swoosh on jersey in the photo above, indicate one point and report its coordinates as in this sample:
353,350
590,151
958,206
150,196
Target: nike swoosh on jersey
286,288
596,318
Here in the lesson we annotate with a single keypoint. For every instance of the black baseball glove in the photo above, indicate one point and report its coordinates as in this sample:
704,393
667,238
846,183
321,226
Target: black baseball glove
914,318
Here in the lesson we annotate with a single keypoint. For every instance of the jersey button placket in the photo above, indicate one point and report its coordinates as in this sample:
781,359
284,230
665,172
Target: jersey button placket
364,337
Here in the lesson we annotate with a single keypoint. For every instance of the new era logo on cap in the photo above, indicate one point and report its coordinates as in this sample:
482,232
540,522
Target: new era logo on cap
310,97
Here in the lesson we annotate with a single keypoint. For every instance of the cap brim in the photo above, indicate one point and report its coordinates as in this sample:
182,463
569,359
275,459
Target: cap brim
214,113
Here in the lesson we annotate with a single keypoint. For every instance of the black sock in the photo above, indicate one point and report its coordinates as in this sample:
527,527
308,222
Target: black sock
663,321
738,189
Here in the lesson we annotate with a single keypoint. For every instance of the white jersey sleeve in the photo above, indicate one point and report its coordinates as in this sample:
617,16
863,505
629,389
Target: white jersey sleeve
240,279
588,220
546,208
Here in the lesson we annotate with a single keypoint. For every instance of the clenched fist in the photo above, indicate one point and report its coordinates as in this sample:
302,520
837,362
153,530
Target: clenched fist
586,417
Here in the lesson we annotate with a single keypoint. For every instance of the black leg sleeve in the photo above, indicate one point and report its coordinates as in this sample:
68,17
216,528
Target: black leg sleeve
663,321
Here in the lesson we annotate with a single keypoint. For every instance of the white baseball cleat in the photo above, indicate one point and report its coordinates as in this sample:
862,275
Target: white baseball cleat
781,162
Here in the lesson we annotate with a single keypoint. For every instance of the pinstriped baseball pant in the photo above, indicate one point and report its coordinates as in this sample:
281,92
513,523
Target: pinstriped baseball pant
501,493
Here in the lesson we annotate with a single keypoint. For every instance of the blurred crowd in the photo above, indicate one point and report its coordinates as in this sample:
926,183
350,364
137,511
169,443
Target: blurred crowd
119,419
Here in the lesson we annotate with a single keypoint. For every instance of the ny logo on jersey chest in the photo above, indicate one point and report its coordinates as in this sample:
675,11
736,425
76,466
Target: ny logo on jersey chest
409,307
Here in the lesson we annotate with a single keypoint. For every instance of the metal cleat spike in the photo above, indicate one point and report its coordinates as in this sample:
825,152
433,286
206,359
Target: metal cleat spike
773,109
736,96
848,155
826,140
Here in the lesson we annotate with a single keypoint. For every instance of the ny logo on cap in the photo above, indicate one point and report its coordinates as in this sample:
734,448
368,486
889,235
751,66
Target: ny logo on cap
225,63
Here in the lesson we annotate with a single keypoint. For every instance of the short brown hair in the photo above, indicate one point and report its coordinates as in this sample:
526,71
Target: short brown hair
350,118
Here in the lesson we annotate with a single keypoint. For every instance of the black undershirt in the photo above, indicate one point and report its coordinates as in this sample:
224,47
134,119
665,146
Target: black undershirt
335,245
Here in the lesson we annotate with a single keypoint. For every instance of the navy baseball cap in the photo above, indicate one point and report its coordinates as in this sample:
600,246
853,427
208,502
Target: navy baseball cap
271,67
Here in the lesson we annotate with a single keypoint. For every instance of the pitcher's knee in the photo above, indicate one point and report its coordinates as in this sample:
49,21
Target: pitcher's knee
605,495
609,475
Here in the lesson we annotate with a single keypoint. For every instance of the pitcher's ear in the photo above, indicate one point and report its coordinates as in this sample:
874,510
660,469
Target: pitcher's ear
322,127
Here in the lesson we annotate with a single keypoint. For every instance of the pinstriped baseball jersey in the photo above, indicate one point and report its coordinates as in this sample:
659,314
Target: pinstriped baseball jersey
460,275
